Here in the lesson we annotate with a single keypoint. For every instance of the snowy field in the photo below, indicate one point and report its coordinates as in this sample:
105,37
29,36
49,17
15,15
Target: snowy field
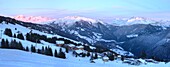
17,58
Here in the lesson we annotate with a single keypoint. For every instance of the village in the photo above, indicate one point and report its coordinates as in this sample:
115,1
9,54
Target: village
87,50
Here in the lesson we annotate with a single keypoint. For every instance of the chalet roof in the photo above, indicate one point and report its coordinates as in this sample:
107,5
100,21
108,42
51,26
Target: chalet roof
59,42
79,51
105,57
80,46
71,45
92,47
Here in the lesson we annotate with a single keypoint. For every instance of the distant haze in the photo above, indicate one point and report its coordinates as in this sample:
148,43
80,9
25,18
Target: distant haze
98,9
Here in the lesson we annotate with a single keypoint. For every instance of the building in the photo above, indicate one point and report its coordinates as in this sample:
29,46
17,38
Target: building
79,47
70,46
105,59
60,43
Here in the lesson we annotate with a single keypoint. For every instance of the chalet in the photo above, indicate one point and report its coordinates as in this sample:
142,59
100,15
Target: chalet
79,51
105,59
60,43
70,46
119,57
92,47
79,47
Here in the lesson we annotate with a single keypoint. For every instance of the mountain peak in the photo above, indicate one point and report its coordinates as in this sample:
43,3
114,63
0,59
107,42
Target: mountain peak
77,18
34,19
132,19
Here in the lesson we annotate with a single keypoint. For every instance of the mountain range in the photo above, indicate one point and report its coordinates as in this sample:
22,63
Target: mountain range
135,34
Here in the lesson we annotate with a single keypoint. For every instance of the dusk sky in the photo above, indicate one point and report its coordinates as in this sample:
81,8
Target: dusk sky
89,8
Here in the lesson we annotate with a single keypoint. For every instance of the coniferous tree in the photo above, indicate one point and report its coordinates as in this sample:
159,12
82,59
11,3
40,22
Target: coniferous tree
28,37
15,36
39,51
66,50
88,54
20,36
55,53
13,44
83,54
61,54
48,51
27,49
33,48
122,58
8,32
7,44
111,57
20,46
42,50
3,43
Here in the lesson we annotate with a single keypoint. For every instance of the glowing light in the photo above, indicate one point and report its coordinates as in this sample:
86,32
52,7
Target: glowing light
34,19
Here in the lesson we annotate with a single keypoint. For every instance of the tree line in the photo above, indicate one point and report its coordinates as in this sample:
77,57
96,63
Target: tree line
45,50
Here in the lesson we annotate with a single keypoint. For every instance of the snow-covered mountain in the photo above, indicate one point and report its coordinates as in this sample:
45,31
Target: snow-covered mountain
108,36
139,20
34,19
45,34
70,20
86,29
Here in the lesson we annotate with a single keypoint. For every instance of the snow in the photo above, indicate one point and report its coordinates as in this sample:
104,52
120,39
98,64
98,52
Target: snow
122,52
60,42
27,30
83,37
72,19
95,38
132,35
79,51
18,58
82,29
139,20
34,19
80,46
141,60
106,58
92,47
71,45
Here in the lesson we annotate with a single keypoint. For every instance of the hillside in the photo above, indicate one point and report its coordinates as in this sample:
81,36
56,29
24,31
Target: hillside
17,58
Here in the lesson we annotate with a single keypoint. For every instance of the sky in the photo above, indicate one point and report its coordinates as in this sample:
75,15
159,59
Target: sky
98,9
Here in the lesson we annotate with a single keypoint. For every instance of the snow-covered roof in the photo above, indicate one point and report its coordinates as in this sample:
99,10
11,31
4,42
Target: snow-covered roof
80,46
132,35
119,56
71,45
60,42
79,51
141,60
92,47
105,57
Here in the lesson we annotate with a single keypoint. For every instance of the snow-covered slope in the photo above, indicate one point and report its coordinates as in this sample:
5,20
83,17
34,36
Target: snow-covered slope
17,58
